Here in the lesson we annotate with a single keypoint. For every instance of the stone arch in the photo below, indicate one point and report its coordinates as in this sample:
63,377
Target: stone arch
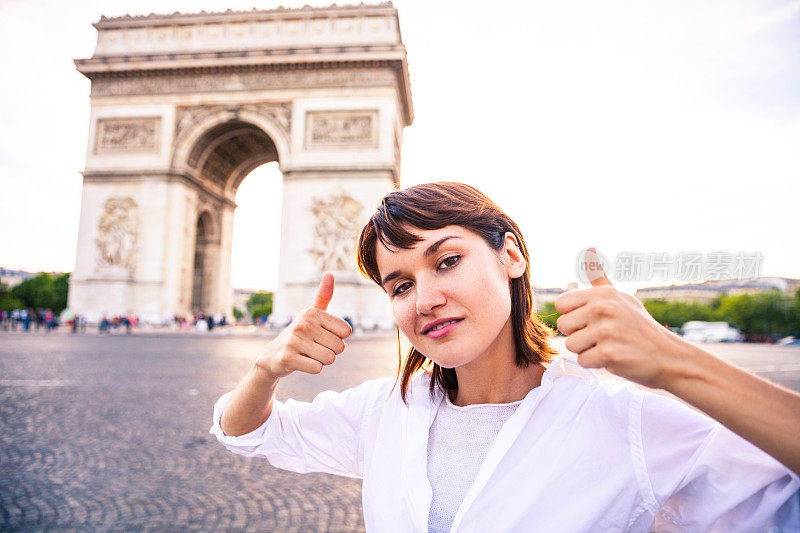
202,132
209,215
205,257
217,148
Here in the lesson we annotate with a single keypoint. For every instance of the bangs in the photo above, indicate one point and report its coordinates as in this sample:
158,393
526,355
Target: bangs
391,224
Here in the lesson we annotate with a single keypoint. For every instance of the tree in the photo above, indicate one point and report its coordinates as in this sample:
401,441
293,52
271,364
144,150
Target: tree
43,291
766,313
738,310
549,315
61,290
794,320
676,314
7,301
36,291
774,311
237,314
259,304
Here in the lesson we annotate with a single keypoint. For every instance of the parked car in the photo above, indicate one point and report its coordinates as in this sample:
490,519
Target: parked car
700,331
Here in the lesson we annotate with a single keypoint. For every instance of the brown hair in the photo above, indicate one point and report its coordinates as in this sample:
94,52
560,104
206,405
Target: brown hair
433,206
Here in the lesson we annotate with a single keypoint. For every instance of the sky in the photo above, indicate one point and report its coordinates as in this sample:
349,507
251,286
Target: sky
650,127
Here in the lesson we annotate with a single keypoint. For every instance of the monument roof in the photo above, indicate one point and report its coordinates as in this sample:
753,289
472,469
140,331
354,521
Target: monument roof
306,11
335,36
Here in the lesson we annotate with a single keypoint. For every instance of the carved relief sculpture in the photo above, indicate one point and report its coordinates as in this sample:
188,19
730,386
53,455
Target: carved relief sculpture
128,134
238,81
118,235
337,222
342,129
187,116
228,35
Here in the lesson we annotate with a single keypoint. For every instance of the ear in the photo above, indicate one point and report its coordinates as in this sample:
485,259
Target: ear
512,256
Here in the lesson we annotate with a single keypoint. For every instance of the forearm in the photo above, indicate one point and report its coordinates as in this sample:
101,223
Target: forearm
250,404
761,412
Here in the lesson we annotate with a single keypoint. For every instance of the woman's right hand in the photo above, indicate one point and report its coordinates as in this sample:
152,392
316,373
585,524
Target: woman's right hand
311,341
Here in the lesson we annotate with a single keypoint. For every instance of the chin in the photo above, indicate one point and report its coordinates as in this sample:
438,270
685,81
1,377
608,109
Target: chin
449,365
449,360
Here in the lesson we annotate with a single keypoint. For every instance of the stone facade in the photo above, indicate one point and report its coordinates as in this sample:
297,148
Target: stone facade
185,106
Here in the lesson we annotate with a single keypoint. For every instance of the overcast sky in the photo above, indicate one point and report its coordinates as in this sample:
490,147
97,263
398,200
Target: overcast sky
657,127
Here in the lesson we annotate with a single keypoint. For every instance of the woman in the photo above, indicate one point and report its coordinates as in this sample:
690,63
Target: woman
486,437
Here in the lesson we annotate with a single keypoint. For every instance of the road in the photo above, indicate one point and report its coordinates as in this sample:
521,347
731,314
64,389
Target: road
111,433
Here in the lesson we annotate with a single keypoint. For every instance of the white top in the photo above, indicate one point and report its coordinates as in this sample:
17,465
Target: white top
578,454
458,442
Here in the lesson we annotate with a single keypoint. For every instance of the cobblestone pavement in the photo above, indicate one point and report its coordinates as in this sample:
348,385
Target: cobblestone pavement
111,433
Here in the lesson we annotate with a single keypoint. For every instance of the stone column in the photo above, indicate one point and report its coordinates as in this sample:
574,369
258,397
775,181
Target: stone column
344,159
323,213
122,246
179,240
223,299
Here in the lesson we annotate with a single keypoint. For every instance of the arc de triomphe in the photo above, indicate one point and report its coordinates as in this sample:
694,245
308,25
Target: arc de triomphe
184,106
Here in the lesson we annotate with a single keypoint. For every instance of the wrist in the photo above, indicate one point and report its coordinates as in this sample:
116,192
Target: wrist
261,372
684,364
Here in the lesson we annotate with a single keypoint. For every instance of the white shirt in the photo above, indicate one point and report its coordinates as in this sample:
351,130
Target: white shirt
578,454
460,438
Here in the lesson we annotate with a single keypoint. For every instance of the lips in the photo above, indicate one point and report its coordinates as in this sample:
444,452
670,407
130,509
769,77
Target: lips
439,324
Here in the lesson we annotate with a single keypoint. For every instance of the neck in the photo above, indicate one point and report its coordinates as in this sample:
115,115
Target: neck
494,377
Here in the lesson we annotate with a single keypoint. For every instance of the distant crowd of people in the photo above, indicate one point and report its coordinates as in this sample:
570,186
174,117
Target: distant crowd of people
200,321
35,319
28,319
117,323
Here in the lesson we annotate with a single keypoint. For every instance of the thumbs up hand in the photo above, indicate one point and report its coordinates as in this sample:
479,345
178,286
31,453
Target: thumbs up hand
613,330
311,341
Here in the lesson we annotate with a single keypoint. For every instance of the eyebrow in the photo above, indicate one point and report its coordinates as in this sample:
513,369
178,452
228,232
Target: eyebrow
429,251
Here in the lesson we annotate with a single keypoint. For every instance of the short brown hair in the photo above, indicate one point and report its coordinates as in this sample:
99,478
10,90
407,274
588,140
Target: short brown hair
433,206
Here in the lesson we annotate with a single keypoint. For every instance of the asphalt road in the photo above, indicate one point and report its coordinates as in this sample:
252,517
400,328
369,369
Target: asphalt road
111,433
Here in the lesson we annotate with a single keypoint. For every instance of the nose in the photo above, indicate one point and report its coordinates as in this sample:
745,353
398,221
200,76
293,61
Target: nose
429,296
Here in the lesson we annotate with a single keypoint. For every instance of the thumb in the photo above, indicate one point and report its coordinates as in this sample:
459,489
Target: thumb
325,292
594,270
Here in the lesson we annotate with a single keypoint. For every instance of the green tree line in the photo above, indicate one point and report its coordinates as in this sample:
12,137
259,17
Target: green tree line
42,291
770,313
259,304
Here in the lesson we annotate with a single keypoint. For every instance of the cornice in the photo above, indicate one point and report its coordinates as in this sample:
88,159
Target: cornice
312,57
229,15
95,69
109,176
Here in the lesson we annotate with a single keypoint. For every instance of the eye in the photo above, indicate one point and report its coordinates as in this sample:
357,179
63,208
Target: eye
400,289
449,262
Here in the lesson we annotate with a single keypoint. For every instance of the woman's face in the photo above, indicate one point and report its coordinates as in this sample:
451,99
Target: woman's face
450,293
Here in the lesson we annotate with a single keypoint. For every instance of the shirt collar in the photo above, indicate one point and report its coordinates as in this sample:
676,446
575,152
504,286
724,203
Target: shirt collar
567,365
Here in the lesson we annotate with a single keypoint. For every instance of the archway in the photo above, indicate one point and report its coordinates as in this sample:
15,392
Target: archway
226,153
256,233
205,248
220,157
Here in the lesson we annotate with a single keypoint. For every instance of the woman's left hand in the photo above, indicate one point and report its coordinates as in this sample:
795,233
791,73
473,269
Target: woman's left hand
610,329
613,330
